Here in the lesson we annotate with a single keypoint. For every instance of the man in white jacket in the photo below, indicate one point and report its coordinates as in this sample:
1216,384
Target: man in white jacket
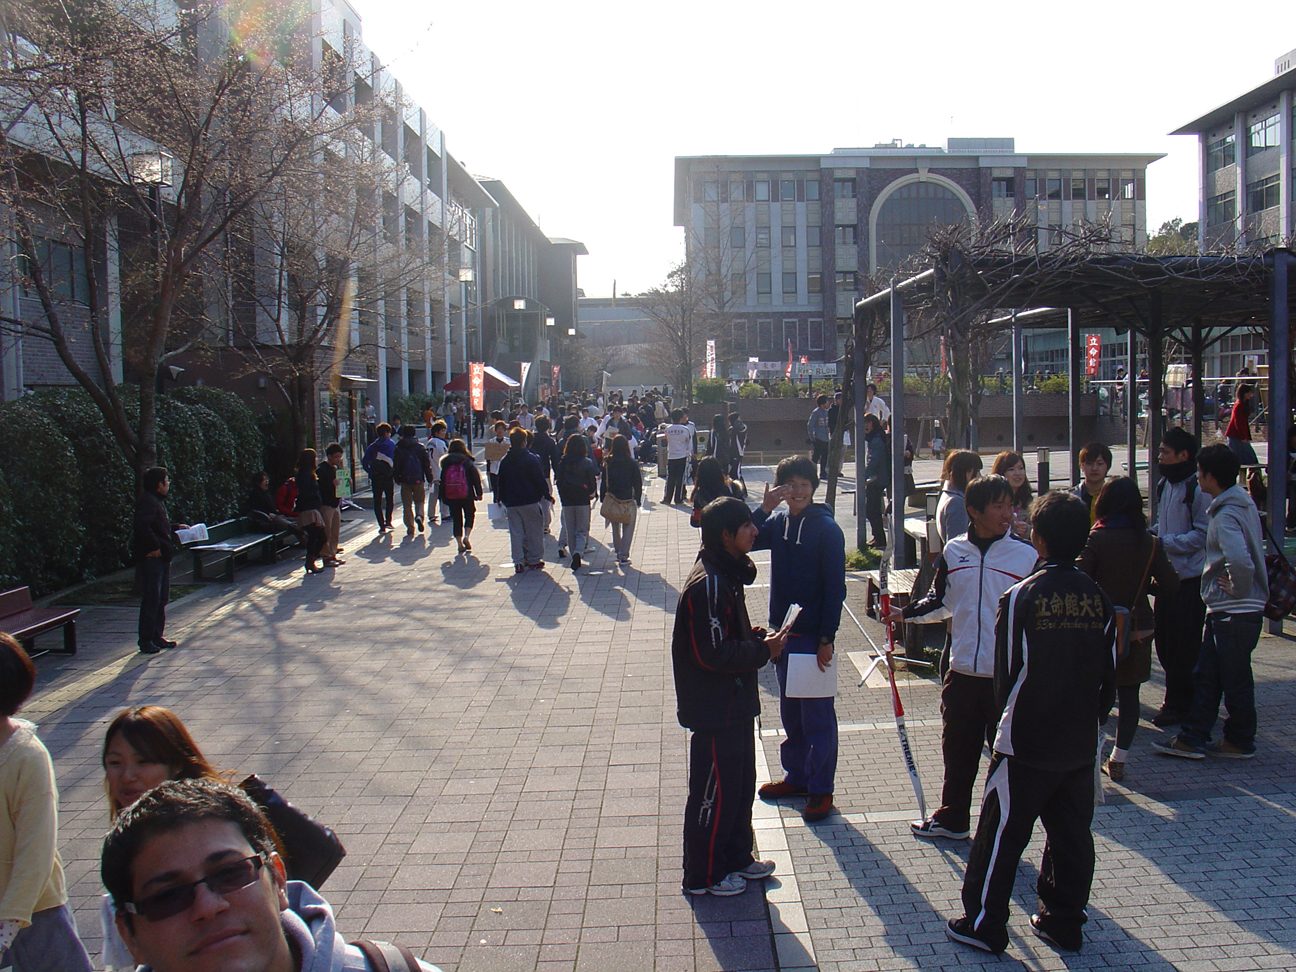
1235,587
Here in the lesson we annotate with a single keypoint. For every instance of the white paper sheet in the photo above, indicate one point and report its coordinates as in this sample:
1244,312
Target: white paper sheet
805,681
789,619
194,534
495,512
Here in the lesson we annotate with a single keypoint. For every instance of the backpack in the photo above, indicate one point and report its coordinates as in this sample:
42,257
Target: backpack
410,469
1190,493
386,957
454,481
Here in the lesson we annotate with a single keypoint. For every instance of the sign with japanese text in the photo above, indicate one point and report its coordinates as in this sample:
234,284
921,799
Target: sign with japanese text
1093,353
477,386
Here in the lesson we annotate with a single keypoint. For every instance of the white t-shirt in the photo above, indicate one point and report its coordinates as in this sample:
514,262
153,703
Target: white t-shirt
526,420
679,441
436,447
879,408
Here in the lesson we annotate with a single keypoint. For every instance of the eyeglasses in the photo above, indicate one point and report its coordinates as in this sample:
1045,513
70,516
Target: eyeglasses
170,902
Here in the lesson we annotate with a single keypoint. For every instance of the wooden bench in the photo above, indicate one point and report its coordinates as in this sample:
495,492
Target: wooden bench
900,583
235,541
24,622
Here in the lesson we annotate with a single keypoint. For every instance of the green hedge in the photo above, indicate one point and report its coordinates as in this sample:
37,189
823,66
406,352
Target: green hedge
709,390
38,462
249,441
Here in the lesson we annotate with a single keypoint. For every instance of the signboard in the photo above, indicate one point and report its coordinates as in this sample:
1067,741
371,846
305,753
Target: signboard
477,386
773,369
788,373
1093,353
526,370
753,365
557,385
343,482
710,360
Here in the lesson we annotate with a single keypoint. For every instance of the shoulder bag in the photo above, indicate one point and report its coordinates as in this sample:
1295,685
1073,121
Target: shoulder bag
311,850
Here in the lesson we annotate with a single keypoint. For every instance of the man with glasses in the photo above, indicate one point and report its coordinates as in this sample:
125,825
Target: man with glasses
198,887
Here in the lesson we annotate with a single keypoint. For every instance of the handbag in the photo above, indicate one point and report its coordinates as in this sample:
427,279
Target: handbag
617,510
1282,583
1124,616
311,850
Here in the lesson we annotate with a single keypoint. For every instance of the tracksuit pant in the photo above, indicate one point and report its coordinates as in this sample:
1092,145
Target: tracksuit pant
809,753
1015,797
718,834
969,718
675,469
1179,620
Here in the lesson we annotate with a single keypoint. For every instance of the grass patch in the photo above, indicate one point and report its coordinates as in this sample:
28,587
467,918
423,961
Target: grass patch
114,594
863,559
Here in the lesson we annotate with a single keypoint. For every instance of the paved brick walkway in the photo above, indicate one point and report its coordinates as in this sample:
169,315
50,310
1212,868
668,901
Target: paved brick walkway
501,758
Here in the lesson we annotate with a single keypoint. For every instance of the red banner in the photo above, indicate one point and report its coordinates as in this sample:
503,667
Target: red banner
557,371
477,386
788,373
1093,353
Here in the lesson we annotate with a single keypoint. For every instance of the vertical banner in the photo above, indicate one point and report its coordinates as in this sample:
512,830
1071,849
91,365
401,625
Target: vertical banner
944,362
557,385
710,359
788,372
1093,353
526,370
477,386
753,365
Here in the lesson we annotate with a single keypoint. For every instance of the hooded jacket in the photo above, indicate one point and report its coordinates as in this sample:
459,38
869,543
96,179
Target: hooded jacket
577,478
470,473
1182,519
807,567
714,651
521,478
877,458
1234,543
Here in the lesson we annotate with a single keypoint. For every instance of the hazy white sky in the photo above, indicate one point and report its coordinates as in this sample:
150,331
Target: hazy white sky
581,106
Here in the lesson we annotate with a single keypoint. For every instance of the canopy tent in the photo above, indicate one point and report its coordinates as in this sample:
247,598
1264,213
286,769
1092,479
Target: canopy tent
495,381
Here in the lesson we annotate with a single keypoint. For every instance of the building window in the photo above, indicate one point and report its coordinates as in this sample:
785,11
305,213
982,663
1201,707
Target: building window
1001,187
1262,194
1054,235
710,192
814,283
764,283
1102,188
1262,134
790,333
737,190
765,332
789,236
738,284
762,236
812,190
762,190
1126,188
1078,188
1032,188
1221,209
845,235
62,268
787,190
738,236
812,236
816,334
1221,152
790,283
847,280
1054,188
843,188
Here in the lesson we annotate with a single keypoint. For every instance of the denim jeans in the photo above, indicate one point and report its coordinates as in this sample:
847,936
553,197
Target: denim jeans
809,754
1224,671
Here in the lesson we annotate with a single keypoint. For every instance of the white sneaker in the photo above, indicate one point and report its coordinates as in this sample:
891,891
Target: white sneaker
756,870
731,884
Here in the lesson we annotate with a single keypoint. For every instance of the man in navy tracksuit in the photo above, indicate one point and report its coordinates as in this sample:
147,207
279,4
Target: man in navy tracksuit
1055,679
716,654
807,567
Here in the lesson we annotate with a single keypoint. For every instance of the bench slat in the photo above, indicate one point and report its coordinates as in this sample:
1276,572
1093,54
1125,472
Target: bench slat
24,624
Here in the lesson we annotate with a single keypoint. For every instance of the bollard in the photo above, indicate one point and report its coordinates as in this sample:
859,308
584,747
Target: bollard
1042,470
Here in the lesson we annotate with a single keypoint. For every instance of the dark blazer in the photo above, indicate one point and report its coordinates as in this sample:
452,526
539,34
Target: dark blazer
152,528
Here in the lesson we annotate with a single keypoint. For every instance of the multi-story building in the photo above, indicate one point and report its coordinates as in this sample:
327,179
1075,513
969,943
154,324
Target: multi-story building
784,245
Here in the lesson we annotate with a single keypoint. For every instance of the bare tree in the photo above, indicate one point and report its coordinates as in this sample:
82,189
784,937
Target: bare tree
138,134
676,311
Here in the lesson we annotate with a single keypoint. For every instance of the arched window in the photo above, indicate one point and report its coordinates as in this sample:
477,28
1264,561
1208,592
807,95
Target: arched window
909,214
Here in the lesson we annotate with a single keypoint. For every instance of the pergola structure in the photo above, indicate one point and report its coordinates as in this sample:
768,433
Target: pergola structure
1196,300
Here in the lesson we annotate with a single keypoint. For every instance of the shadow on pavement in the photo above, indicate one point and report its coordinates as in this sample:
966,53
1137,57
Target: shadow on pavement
464,572
736,929
538,596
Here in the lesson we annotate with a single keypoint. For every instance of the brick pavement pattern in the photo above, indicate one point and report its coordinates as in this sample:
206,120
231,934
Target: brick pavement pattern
501,758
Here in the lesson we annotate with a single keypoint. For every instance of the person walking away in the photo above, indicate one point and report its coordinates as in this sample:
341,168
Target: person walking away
715,655
807,567
819,431
1095,464
544,446
330,505
461,488
960,467
436,450
155,543
520,486
577,480
679,447
720,444
1054,678
973,571
1126,562
1238,432
877,478
37,930
309,501
623,479
377,463
1182,521
738,436
1012,467
413,469
1235,587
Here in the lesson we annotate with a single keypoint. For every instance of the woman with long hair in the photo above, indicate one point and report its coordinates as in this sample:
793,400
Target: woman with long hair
623,479
710,482
960,468
577,486
309,517
461,488
1126,562
1238,432
720,443
1012,467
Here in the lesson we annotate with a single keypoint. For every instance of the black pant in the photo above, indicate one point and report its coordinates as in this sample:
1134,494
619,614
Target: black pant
819,455
969,718
717,817
155,580
675,480
1015,797
874,497
1127,718
384,499
463,513
1179,621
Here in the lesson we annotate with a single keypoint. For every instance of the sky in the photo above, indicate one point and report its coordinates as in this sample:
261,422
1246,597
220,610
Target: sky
581,107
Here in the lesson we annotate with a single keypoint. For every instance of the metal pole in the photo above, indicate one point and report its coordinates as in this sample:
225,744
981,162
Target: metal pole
1131,401
1156,386
897,428
858,380
1018,403
1074,360
1279,396
1199,380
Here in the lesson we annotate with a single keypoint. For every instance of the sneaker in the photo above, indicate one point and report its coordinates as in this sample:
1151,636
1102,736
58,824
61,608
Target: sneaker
818,807
538,565
1224,750
148,648
519,568
1058,934
576,561
1114,769
562,551
164,643
730,885
962,930
1174,746
1166,717
779,790
756,870
419,522
931,827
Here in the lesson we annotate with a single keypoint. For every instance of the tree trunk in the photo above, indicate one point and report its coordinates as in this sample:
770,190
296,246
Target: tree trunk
835,449
960,389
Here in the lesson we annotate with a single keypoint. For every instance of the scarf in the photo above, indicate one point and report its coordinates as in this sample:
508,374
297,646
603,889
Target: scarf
1177,472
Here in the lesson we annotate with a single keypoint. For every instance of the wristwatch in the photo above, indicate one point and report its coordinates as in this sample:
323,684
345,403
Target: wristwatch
825,640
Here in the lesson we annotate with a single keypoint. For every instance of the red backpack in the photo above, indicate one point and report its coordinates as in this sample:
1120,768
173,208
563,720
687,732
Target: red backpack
454,482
